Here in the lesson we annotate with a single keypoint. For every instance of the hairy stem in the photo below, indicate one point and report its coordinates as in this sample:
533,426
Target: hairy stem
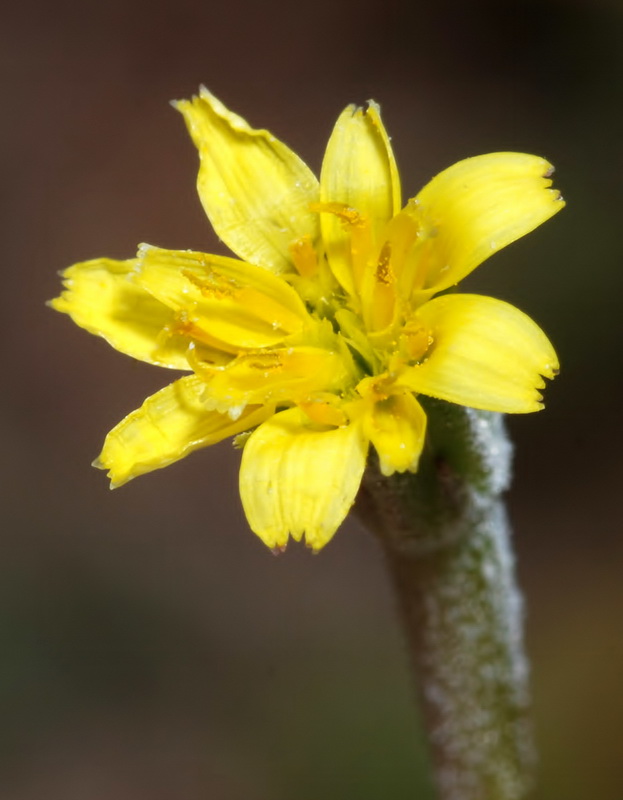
447,543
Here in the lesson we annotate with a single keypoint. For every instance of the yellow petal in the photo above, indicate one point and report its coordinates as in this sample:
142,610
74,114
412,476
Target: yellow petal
358,171
235,305
475,208
484,354
396,426
101,297
168,426
291,374
254,189
298,478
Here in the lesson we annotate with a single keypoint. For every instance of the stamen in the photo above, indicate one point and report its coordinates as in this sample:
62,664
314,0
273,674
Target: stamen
384,272
217,286
415,341
263,361
376,388
347,214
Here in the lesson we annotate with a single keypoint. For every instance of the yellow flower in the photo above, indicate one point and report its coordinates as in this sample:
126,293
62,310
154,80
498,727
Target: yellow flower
333,319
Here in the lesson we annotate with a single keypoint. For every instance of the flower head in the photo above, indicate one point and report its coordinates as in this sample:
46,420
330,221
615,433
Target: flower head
317,340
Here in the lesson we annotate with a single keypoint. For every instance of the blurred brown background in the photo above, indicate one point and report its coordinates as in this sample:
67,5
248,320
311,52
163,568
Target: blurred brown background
150,647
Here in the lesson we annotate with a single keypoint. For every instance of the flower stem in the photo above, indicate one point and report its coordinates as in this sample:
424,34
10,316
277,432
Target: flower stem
447,543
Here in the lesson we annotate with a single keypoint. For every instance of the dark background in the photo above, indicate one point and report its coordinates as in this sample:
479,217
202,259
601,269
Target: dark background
150,647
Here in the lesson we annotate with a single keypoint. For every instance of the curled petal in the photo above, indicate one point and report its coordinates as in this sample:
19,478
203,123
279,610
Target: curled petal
255,190
485,354
101,297
396,426
300,478
359,172
473,209
168,426
235,305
